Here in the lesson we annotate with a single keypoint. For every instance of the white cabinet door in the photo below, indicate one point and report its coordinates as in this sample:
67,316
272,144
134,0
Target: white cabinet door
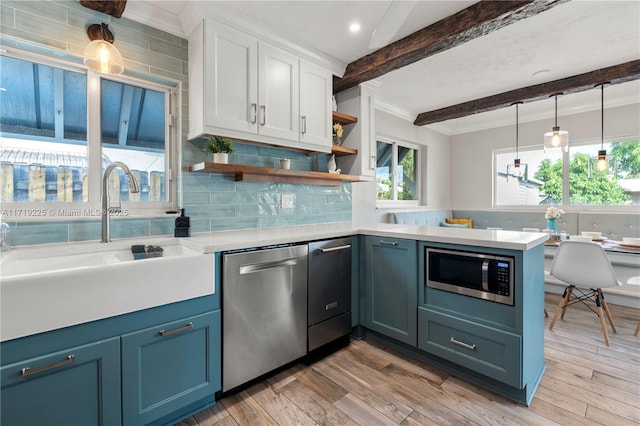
231,79
315,105
360,102
278,93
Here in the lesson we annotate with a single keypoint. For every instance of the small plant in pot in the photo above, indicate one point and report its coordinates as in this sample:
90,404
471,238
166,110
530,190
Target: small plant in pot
220,148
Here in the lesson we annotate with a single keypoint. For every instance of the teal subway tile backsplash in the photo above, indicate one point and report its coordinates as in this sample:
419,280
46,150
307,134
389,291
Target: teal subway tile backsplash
196,198
125,228
162,226
246,205
38,233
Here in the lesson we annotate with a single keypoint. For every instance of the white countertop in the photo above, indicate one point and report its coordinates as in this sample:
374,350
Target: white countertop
51,286
211,242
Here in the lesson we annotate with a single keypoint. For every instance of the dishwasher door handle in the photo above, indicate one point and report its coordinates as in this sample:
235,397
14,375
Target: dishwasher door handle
262,266
330,249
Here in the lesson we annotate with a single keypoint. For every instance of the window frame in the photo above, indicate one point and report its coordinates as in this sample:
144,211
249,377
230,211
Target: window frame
395,203
57,211
566,163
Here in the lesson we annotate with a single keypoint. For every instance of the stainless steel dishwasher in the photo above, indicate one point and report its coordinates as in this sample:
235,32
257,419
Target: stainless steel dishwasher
264,311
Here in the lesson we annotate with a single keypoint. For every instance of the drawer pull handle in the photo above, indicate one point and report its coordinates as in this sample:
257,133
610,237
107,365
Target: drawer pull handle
176,330
330,249
464,345
331,306
30,372
388,243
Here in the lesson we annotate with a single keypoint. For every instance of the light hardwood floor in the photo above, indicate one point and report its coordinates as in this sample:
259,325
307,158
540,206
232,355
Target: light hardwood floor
585,383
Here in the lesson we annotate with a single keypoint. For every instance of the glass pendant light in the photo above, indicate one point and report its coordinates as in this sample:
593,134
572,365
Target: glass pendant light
100,54
516,161
516,169
602,164
556,138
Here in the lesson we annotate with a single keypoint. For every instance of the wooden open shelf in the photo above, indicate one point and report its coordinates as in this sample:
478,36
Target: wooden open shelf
342,118
341,151
270,174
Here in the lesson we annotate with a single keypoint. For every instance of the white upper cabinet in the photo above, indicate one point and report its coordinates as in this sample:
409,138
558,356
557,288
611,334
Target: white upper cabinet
278,88
244,88
230,80
316,85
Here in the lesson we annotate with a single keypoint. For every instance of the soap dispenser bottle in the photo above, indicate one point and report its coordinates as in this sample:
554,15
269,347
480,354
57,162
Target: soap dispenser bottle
183,225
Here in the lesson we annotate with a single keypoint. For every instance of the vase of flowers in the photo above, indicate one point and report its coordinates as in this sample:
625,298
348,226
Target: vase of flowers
552,214
220,148
337,134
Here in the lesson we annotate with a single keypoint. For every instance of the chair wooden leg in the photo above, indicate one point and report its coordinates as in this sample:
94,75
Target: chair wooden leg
607,311
546,314
561,306
603,325
569,291
637,329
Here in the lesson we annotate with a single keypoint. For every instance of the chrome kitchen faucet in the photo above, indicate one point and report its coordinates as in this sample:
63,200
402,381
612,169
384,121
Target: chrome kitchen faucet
133,187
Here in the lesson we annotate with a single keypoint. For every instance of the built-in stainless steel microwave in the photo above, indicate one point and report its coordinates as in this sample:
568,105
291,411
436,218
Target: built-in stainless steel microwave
478,275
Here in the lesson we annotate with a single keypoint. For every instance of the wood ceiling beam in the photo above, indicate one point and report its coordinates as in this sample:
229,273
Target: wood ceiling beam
616,74
477,20
110,7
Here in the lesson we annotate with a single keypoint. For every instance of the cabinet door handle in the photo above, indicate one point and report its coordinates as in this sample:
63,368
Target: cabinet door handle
254,113
304,124
30,372
331,306
388,243
330,249
176,330
464,345
372,162
263,113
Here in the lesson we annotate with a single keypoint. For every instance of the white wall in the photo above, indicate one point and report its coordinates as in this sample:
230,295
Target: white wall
471,154
434,168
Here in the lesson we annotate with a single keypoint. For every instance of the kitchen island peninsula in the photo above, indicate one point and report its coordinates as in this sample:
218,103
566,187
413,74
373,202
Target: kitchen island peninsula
467,326
469,301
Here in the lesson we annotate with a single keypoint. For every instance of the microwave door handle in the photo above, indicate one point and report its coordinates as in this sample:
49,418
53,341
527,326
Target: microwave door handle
485,275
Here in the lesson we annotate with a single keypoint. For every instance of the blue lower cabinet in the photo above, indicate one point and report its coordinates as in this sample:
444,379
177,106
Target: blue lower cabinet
391,288
486,350
169,367
77,386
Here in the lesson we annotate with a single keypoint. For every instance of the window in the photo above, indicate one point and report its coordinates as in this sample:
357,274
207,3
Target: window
569,179
60,127
397,173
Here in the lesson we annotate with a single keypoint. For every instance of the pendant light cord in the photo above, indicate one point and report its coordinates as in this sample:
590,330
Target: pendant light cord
517,121
602,116
556,97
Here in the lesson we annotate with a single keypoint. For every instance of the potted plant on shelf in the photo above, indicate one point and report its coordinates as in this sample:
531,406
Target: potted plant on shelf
337,134
220,148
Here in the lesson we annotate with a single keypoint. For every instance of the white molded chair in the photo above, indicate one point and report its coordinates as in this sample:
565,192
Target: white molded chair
583,265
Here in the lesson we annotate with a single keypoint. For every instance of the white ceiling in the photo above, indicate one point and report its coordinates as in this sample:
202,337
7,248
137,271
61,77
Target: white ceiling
569,39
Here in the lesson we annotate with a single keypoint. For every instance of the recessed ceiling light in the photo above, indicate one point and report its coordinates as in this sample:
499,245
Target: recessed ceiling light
354,28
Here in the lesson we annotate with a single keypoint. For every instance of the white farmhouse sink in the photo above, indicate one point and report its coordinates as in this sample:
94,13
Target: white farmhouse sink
45,288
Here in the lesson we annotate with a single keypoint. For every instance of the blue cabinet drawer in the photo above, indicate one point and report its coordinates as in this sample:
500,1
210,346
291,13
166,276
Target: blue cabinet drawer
486,350
170,366
77,386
